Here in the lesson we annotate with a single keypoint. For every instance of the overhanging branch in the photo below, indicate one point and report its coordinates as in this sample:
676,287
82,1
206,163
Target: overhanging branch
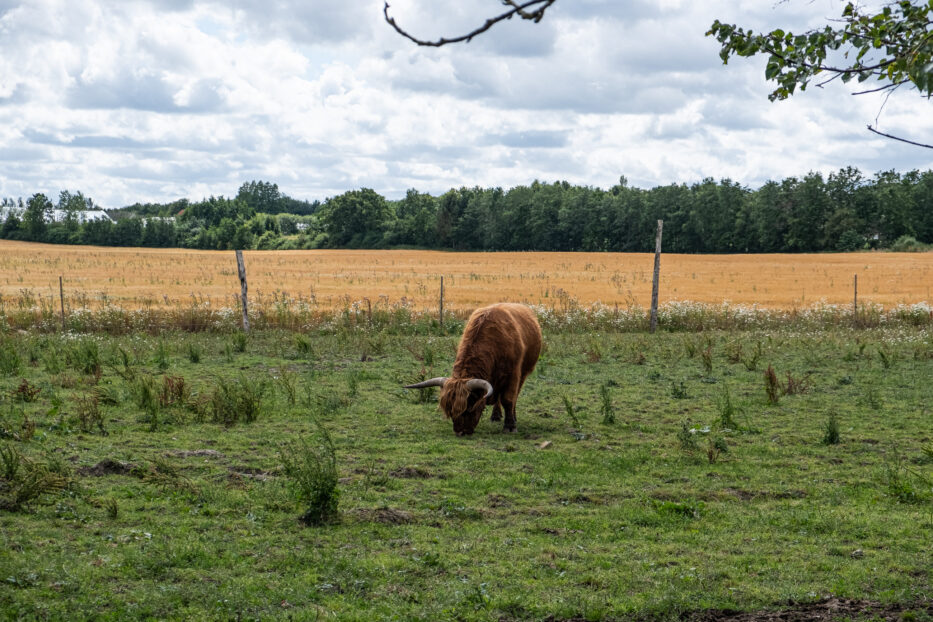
903,140
538,7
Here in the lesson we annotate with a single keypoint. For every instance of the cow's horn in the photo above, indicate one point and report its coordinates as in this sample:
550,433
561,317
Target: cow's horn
433,382
478,383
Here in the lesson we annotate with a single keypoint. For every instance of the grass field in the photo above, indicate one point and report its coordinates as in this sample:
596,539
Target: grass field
334,279
651,477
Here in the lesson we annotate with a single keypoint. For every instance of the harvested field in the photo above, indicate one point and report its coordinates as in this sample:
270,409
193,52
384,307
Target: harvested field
137,277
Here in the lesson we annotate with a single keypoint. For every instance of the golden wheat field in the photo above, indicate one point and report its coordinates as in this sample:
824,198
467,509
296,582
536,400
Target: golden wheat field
135,277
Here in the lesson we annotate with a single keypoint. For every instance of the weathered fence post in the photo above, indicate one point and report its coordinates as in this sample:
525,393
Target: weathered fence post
855,299
241,269
657,277
441,312
61,296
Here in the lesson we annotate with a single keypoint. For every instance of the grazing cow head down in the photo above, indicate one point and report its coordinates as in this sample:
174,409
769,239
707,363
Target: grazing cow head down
462,400
499,348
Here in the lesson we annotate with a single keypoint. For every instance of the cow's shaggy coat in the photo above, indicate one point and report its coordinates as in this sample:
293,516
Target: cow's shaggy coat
498,350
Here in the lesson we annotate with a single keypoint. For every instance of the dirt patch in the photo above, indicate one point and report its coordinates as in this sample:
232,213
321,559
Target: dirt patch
746,495
388,516
245,472
410,473
828,610
822,611
497,501
207,453
107,467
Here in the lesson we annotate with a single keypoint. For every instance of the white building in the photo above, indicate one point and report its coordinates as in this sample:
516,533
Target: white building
58,215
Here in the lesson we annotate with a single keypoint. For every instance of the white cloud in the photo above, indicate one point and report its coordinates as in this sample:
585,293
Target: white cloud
150,100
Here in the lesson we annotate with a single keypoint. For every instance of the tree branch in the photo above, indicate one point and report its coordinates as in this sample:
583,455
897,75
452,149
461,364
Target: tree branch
903,140
518,8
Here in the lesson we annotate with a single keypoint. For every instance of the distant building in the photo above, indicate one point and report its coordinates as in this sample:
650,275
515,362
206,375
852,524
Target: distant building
83,216
58,215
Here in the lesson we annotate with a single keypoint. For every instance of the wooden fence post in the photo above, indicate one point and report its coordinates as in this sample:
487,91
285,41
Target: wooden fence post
61,296
657,277
441,313
241,269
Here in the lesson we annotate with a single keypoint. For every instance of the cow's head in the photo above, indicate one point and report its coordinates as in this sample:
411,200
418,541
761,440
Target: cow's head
462,400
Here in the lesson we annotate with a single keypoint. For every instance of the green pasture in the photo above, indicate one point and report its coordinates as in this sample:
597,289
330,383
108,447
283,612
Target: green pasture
652,476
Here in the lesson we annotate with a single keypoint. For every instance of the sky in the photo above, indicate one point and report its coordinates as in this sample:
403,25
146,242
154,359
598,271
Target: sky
155,100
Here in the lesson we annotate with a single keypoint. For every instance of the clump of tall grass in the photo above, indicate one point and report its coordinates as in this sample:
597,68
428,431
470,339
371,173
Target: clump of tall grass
831,430
10,361
146,395
605,405
727,409
84,356
311,466
303,346
571,411
706,355
23,481
237,401
88,413
161,356
772,385
238,341
194,352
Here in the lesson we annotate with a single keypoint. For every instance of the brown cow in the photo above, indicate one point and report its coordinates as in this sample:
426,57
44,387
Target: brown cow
499,348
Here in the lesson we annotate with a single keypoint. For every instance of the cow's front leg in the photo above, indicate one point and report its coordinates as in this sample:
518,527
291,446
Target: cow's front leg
496,412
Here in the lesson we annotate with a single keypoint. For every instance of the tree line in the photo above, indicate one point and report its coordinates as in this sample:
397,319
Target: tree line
843,211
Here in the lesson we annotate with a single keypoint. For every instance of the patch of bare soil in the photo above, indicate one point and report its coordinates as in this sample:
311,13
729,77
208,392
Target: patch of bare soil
410,473
108,466
246,472
207,453
388,516
827,610
823,611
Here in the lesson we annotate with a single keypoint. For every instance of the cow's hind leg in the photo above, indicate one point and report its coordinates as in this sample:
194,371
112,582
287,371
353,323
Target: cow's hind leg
509,407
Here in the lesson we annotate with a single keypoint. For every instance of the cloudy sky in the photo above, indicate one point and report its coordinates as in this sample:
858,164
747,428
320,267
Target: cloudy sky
152,100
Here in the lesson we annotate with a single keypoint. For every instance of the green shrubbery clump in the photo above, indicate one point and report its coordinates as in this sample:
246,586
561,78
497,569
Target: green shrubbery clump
312,470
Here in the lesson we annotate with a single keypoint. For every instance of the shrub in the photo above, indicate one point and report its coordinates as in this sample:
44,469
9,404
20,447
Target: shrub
288,380
237,400
239,342
715,445
312,469
194,352
772,385
88,413
84,356
23,481
161,356
850,240
10,361
727,410
831,430
686,437
605,398
571,411
174,391
679,390
908,244
706,355
303,346
146,396
25,392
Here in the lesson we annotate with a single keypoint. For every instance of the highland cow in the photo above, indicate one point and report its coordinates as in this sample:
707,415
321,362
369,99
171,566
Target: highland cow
499,348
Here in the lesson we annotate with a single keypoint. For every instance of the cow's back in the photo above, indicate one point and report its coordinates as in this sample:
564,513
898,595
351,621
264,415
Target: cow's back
500,338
